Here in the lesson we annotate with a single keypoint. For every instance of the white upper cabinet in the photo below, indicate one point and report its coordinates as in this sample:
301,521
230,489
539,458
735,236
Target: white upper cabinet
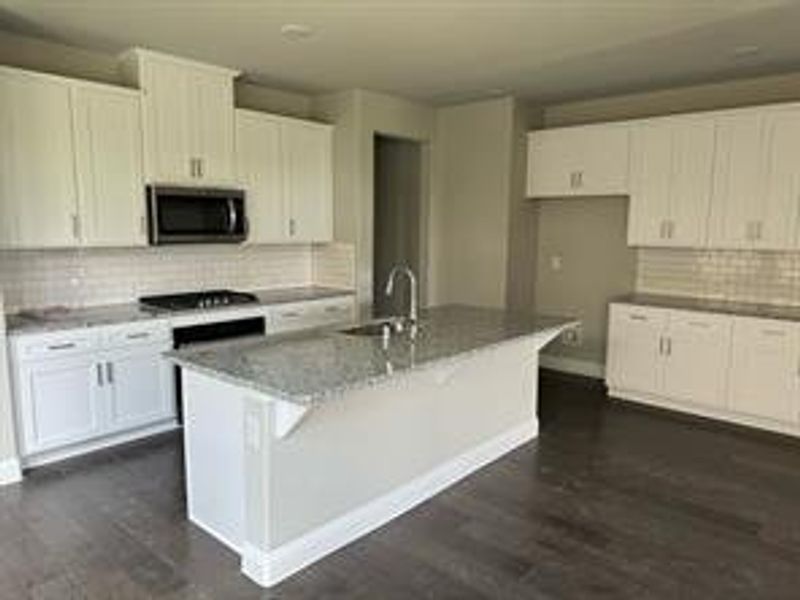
38,207
589,160
670,181
780,211
188,118
307,149
259,168
108,159
286,168
736,207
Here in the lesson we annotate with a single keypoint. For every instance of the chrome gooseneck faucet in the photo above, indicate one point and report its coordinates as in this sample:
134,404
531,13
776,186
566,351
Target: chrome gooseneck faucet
413,314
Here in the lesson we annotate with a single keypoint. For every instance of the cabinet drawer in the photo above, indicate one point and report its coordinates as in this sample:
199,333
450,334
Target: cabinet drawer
136,334
314,313
54,345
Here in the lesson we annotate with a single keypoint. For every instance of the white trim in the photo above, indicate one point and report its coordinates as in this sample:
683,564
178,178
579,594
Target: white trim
10,471
267,568
286,416
50,456
575,366
215,534
709,412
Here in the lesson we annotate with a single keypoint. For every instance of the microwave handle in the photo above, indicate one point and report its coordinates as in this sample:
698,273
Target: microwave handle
232,216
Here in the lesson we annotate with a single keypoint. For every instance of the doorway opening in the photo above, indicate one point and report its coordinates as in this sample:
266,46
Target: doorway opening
397,233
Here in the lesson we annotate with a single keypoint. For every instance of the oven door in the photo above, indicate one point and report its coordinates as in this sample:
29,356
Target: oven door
180,215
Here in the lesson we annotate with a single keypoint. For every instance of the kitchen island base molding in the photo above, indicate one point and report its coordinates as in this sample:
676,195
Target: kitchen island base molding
10,471
269,568
706,412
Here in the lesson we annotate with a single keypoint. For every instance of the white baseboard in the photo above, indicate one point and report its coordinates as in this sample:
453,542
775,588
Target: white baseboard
10,471
708,412
51,456
268,567
575,366
215,534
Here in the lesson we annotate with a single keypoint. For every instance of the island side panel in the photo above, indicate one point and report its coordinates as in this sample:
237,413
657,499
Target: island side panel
424,427
214,454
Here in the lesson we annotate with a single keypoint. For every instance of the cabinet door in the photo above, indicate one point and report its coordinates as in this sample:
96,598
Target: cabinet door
38,207
696,353
168,112
737,183
212,124
60,402
140,387
764,369
605,156
308,172
780,207
634,348
259,170
109,167
578,161
650,183
691,181
552,163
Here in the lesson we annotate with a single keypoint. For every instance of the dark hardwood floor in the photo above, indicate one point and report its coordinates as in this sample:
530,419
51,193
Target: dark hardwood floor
612,501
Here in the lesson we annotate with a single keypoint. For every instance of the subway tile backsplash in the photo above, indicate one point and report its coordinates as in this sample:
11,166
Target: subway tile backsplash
745,276
86,277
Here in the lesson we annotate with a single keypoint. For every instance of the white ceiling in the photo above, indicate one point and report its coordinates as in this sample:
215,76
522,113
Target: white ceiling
441,50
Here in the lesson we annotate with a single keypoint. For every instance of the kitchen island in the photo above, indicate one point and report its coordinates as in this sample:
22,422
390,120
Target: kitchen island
297,445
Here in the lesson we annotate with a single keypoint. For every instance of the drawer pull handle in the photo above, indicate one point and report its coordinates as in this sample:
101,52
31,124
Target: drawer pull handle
331,309
699,324
64,346
138,336
290,314
638,318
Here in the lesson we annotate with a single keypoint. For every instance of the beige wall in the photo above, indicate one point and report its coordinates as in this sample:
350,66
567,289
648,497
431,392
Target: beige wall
358,116
40,55
730,94
587,236
470,226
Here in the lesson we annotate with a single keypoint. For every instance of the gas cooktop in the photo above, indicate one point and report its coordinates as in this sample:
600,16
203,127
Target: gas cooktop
190,300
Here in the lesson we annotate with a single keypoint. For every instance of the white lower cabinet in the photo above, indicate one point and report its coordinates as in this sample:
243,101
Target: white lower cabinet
74,388
696,357
635,347
139,383
765,369
59,403
741,369
317,313
667,352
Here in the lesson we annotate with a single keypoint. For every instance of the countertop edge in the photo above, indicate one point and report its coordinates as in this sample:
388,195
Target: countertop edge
43,328
775,312
310,400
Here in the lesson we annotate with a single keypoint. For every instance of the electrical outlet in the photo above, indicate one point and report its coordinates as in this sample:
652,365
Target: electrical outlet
572,337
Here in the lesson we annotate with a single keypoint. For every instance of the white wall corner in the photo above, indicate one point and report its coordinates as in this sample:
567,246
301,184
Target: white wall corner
10,471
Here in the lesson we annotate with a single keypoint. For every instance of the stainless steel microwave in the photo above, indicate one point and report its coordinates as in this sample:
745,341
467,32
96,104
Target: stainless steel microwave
187,215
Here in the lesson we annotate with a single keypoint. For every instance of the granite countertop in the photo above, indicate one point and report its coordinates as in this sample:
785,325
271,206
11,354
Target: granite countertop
310,366
59,319
745,309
